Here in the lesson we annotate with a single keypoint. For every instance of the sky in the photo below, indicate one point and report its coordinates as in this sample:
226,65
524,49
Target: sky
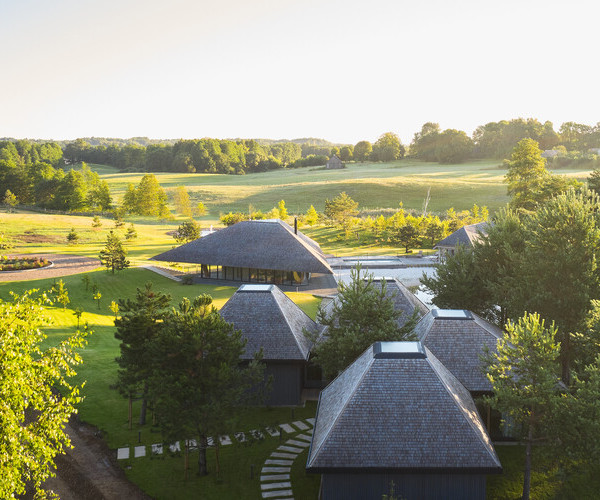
341,70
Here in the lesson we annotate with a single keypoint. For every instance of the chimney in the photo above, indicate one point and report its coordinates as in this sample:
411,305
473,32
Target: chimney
295,225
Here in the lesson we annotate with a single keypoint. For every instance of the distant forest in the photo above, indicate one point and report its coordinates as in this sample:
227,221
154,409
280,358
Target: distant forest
573,144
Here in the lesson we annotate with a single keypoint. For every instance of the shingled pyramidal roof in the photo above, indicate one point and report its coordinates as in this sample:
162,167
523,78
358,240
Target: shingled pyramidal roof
466,235
258,244
458,339
269,319
398,408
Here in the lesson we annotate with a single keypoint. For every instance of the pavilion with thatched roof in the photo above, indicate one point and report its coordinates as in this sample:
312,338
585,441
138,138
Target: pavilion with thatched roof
256,251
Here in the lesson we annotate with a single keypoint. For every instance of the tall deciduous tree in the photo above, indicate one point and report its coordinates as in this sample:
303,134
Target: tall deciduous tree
198,385
526,175
32,414
361,314
525,381
187,231
114,255
181,198
388,147
362,150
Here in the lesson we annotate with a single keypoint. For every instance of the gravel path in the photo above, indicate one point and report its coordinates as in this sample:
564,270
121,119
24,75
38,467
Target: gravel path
64,265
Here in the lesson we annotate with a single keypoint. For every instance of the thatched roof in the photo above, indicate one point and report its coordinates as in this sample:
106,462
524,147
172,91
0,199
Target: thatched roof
268,319
458,339
397,408
466,235
261,244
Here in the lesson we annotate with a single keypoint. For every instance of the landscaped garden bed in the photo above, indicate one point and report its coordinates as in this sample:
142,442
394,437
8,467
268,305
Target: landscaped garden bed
22,263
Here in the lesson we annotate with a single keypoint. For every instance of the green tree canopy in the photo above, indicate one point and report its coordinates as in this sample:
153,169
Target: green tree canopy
341,208
113,255
525,381
362,150
33,416
187,231
388,148
140,322
361,314
197,383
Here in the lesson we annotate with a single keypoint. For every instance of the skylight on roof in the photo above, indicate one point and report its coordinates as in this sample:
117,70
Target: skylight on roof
451,314
255,288
384,278
398,350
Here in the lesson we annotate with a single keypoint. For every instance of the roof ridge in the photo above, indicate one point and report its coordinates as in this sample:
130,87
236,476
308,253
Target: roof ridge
480,431
310,248
354,388
287,321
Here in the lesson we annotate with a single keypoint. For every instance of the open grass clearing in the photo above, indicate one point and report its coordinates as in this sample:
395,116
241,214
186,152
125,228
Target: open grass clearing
373,185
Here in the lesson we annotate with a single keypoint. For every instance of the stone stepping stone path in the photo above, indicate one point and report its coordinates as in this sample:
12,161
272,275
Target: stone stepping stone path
273,432
300,425
123,453
157,449
240,436
225,440
275,475
139,451
174,447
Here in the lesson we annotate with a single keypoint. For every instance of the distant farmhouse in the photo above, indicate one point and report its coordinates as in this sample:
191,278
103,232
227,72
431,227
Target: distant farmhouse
334,162
398,414
257,251
270,321
466,236
550,153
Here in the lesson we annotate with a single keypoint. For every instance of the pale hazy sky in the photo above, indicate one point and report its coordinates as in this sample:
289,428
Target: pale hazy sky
342,70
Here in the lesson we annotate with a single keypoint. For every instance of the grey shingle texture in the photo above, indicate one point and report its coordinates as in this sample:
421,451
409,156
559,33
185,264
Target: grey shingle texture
459,345
269,319
399,414
466,235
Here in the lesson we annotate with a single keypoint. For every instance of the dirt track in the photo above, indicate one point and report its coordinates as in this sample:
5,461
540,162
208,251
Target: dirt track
63,265
90,470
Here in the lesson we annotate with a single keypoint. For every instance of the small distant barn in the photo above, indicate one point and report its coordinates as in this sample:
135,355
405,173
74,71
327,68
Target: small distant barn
397,414
464,236
270,321
550,153
334,162
257,251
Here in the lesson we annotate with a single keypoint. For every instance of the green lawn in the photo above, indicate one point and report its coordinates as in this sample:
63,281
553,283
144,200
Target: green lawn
548,480
373,185
103,406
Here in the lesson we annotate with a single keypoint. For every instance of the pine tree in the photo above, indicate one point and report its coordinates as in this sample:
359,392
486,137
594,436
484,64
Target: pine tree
72,237
113,256
361,314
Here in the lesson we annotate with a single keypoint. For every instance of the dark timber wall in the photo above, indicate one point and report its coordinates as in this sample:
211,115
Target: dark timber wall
286,387
347,486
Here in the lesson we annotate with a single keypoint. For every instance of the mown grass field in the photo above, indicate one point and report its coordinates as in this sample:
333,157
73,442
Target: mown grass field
373,185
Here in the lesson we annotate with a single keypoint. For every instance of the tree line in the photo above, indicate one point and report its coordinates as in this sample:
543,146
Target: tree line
33,173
